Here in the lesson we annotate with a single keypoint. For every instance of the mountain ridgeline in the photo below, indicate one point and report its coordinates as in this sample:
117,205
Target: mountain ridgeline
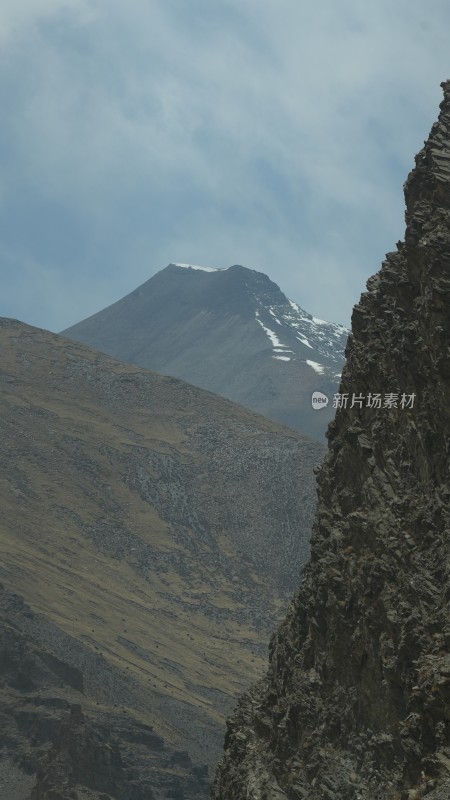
356,701
231,331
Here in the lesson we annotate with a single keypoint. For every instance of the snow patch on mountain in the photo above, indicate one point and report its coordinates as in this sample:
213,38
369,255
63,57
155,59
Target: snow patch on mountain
325,339
275,317
319,368
203,269
272,336
304,341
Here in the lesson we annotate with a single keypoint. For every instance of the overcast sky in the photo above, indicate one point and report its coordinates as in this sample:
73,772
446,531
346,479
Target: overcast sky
276,134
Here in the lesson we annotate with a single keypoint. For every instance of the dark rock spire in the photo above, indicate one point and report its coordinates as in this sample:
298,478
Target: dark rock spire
356,702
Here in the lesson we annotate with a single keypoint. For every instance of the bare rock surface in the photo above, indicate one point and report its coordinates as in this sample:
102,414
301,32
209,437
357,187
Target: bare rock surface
356,701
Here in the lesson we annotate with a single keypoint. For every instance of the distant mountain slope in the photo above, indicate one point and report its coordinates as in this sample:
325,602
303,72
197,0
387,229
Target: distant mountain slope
155,530
231,331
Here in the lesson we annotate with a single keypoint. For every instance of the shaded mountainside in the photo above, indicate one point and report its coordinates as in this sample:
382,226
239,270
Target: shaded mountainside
356,702
62,733
155,532
231,331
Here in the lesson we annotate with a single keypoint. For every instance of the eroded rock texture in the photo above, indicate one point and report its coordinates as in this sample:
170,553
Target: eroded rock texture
356,700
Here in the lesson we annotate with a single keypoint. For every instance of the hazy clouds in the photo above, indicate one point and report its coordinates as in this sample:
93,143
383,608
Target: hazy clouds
272,134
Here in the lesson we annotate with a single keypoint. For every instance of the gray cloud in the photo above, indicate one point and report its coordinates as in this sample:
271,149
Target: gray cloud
276,135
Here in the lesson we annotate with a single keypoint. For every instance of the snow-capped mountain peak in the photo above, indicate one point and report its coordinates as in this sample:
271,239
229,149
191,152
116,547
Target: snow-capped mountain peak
229,330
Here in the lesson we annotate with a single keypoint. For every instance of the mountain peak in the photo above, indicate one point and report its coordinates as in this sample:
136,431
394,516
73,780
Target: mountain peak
197,266
230,330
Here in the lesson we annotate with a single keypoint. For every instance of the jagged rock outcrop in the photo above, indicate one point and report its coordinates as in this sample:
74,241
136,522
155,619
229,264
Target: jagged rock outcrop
356,702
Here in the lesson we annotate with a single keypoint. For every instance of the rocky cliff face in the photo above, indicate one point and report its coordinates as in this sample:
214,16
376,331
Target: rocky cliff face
356,702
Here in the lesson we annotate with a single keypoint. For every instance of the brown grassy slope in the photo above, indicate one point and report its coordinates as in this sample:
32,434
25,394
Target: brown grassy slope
155,523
